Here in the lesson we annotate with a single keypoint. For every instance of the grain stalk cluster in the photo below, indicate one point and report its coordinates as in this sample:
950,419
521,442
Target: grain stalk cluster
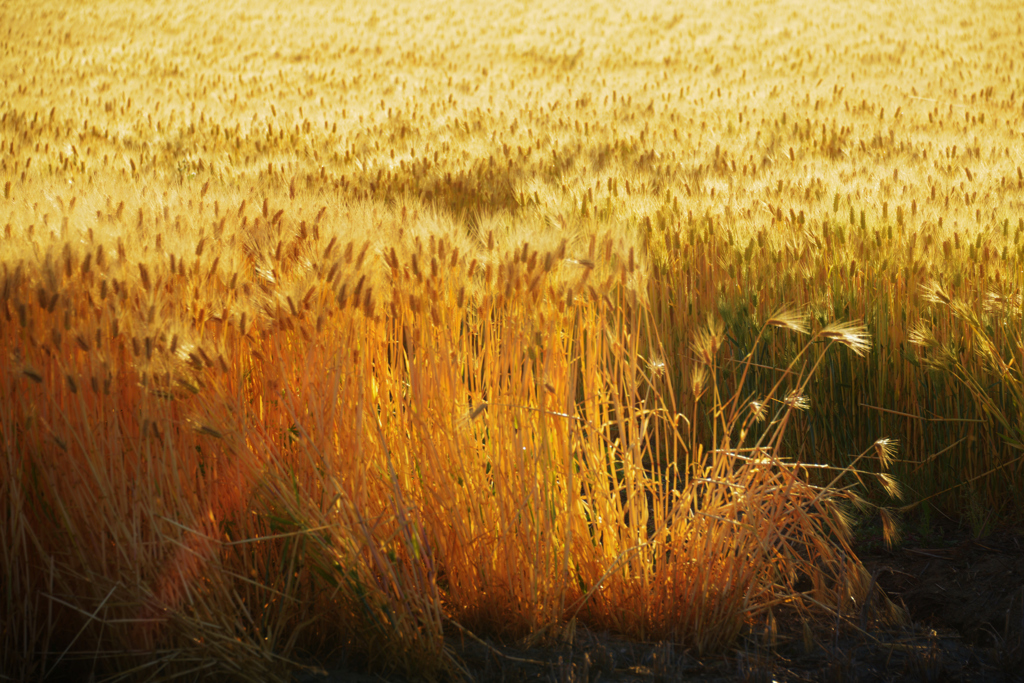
356,329
374,464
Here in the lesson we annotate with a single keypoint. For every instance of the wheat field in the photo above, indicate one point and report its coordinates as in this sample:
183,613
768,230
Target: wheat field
352,328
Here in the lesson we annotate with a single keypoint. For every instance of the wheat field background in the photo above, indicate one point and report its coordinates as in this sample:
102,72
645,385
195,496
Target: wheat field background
355,326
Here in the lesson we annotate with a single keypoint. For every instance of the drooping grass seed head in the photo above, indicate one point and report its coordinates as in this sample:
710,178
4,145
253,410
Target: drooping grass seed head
852,335
790,319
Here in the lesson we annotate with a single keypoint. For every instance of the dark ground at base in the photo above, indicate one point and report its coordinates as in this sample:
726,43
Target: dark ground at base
964,596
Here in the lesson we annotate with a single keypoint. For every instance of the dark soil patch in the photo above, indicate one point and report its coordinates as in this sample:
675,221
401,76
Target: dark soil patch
974,587
964,597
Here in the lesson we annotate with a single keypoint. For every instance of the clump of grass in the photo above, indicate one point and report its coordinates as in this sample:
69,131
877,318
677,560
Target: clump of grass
743,527
372,466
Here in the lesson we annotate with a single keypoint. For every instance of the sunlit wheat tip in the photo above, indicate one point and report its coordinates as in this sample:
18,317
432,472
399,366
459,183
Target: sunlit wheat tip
922,335
699,379
708,340
657,366
885,451
852,335
797,401
933,292
998,302
890,485
890,528
790,319
858,501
